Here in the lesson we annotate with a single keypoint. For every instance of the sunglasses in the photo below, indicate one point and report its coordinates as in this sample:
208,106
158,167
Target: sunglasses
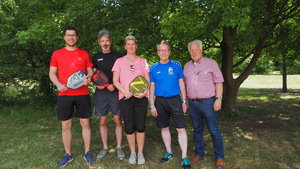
132,68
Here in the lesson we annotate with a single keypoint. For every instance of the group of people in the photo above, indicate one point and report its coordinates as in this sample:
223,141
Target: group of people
197,89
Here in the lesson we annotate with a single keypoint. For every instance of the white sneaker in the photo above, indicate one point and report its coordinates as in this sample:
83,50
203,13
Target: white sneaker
132,158
141,159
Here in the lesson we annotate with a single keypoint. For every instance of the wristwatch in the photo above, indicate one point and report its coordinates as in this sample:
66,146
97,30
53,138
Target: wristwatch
218,98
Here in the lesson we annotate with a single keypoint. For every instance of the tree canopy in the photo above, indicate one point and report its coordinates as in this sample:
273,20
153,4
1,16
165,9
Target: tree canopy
235,33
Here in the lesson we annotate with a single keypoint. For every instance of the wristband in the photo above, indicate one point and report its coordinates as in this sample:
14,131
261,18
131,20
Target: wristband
218,98
184,101
152,106
57,84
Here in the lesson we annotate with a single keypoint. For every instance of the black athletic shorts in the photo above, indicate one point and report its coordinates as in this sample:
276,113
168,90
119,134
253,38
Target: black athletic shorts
134,112
104,101
73,106
169,107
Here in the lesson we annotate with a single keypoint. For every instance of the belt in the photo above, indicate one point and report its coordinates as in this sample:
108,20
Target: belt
201,100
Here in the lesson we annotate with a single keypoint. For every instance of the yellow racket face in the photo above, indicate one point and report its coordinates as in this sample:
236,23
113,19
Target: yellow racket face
138,85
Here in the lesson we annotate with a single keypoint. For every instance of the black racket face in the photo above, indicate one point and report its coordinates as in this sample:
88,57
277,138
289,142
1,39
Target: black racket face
138,85
99,78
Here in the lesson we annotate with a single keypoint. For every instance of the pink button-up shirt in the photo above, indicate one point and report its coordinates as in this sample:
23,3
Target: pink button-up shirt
201,78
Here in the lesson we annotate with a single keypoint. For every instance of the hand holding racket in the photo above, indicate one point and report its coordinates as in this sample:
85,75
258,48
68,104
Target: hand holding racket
76,80
62,88
100,79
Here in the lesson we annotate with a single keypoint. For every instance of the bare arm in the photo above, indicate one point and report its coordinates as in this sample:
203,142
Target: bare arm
116,81
151,98
219,93
183,95
148,79
54,78
90,72
151,95
89,76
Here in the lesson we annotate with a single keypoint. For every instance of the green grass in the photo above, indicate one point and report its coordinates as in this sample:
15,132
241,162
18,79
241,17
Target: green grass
266,136
271,81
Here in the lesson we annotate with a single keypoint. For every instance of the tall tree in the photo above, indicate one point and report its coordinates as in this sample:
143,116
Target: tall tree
286,51
233,32
241,29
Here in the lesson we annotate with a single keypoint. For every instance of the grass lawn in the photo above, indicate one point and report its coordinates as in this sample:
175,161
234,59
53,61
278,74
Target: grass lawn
265,135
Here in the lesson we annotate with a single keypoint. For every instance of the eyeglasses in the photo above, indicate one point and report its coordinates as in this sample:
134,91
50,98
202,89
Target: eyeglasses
70,35
164,50
132,68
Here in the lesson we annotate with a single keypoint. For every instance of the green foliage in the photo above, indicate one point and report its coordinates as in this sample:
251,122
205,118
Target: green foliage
31,30
263,66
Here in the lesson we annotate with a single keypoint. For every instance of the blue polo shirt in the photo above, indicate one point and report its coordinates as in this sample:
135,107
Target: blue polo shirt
166,78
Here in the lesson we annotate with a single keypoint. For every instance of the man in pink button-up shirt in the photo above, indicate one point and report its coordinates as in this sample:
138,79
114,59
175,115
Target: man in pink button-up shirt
204,85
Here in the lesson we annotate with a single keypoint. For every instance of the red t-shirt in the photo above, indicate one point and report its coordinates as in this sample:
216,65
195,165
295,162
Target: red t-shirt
69,62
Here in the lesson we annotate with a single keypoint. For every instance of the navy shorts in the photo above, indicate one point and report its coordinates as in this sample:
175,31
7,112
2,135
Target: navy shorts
134,112
169,107
104,101
73,106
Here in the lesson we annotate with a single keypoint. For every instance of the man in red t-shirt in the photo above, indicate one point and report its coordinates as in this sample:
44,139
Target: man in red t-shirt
64,63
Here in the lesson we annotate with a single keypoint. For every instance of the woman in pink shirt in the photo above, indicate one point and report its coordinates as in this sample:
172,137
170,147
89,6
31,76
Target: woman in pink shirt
133,107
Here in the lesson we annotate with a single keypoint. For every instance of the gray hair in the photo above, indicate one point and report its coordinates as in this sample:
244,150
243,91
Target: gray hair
163,42
198,42
105,33
130,37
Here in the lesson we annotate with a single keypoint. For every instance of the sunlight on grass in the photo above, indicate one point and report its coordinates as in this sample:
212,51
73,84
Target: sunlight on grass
289,97
265,133
271,81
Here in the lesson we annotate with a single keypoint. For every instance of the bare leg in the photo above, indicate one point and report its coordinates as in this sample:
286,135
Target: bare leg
103,130
140,138
166,136
131,141
66,133
182,139
118,123
86,133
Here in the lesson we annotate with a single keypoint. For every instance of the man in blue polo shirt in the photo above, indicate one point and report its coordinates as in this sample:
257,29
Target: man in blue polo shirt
167,83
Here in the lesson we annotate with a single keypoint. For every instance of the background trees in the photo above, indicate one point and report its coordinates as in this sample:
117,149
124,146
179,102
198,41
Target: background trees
236,33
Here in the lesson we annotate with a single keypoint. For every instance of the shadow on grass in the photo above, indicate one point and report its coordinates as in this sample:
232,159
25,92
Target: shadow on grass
263,134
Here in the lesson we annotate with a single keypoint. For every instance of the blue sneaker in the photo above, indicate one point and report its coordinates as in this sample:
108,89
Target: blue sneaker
166,157
65,160
120,153
185,163
88,158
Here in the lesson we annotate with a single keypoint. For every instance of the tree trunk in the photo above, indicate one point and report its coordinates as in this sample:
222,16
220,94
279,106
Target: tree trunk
284,74
230,84
230,96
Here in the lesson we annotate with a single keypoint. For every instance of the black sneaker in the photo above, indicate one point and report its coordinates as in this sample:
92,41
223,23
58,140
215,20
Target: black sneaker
166,157
65,160
185,163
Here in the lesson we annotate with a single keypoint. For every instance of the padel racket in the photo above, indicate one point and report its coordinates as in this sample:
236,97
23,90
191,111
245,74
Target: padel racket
100,78
138,85
76,80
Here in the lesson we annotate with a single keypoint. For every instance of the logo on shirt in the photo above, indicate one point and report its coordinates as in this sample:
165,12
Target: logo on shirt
79,58
101,59
159,72
170,71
